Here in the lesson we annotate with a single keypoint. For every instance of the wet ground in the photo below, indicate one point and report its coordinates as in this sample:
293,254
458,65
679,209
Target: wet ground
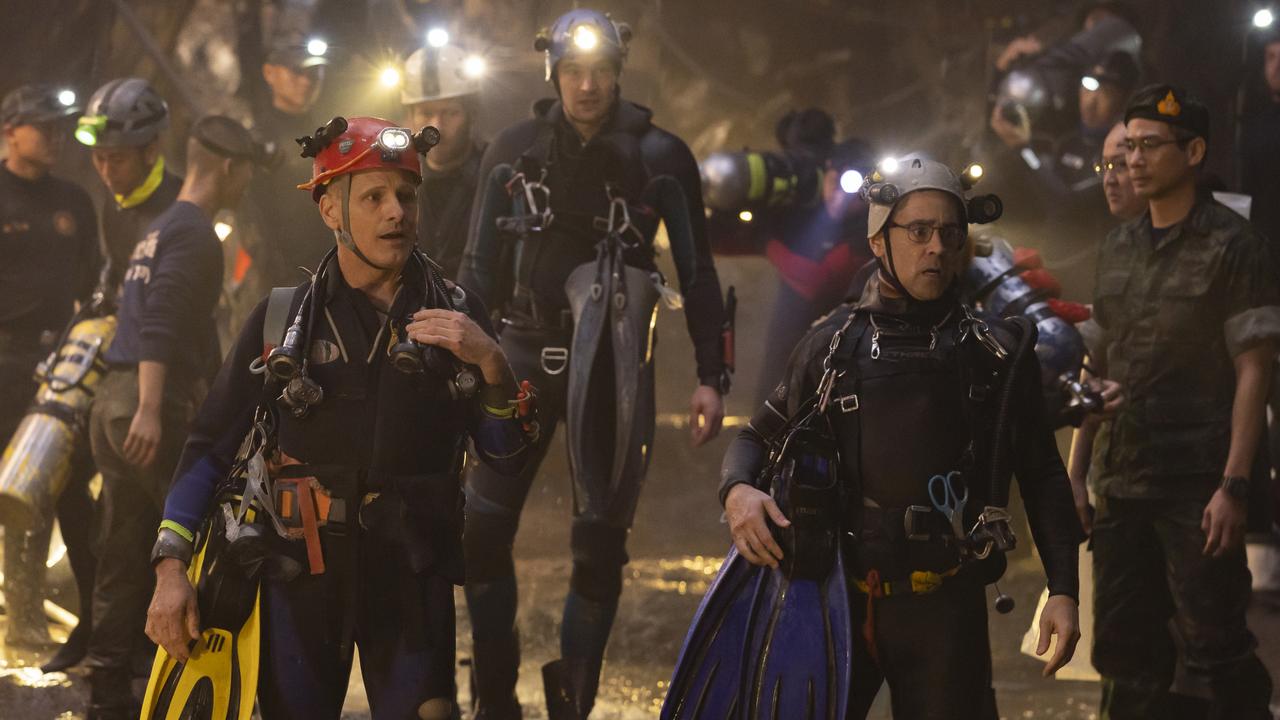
675,548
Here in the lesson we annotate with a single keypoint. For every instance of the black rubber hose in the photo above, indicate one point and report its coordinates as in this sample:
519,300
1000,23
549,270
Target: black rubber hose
999,490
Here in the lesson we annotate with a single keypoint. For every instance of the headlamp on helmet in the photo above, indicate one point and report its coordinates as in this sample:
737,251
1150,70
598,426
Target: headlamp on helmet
89,127
583,32
345,147
585,38
394,140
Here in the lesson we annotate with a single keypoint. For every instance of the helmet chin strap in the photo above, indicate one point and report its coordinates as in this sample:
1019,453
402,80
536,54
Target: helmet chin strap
890,272
344,235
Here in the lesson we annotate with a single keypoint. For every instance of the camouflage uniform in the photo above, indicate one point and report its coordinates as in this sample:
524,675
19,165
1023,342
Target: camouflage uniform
1176,308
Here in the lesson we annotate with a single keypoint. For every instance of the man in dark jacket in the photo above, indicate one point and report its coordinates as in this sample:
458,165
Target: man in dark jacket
159,365
48,231
590,178
122,125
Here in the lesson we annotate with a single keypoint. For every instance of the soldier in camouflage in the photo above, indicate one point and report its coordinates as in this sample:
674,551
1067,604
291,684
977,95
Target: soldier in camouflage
1187,298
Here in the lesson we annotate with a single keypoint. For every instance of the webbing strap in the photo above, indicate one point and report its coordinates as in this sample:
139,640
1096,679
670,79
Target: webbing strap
277,318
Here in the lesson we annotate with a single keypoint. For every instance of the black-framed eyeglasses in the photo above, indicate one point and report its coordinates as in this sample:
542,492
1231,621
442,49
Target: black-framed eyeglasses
1102,167
1152,143
921,233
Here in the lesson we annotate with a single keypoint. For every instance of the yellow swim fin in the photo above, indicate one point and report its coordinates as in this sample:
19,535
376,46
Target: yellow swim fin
220,680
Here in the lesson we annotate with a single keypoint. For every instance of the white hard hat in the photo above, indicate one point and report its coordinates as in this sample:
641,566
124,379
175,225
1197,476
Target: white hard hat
433,73
895,178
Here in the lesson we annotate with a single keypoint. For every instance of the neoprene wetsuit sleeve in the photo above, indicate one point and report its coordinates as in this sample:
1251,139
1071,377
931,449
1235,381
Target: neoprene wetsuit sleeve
217,430
1046,492
750,448
665,154
481,259
497,434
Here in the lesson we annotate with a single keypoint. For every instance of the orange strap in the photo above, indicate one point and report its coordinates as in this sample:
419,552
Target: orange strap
875,590
310,522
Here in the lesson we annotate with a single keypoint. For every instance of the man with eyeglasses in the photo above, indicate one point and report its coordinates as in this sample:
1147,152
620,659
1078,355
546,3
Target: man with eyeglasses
1058,172
909,353
1122,201
1187,298
1125,205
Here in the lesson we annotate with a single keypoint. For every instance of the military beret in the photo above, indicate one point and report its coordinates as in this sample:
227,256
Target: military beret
1169,104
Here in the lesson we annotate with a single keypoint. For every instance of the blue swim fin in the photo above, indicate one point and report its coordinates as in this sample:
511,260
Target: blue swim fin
762,646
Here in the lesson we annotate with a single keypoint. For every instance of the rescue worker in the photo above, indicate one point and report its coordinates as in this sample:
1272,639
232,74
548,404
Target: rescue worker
281,230
384,446
159,365
49,231
276,229
442,89
916,377
122,125
590,175
1187,300
1058,170
817,246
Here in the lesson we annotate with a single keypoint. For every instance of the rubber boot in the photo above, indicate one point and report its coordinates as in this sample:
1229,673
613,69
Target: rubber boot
495,646
570,686
73,650
1241,691
24,571
111,695
584,633
494,671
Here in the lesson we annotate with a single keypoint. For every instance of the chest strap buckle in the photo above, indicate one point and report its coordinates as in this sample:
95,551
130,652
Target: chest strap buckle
848,403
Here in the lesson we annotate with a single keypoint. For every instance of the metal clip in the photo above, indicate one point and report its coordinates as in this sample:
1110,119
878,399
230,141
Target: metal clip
875,344
825,386
981,332
555,355
848,403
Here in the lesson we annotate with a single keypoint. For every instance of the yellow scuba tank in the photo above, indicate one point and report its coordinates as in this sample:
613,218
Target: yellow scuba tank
37,461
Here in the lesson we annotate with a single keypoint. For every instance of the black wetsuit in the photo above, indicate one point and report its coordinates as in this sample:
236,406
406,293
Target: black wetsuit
911,372
444,211
389,445
49,241
527,286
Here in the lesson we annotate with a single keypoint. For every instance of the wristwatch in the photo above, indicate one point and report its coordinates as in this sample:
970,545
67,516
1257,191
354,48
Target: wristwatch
1237,486
169,544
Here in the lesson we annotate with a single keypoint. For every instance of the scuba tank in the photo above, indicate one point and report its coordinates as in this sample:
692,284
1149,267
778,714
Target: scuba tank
37,462
992,282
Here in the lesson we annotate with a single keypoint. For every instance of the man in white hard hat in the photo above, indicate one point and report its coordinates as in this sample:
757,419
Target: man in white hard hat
441,89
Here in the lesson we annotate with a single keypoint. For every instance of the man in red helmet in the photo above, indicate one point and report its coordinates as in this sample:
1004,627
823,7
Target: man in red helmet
370,397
